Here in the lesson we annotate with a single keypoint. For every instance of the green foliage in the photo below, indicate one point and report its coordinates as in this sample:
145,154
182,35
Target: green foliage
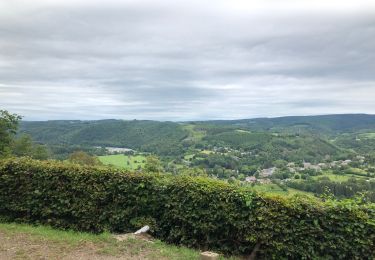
174,139
162,138
130,162
192,171
261,143
196,212
356,142
276,147
342,189
8,128
40,152
153,164
82,158
24,146
325,124
21,146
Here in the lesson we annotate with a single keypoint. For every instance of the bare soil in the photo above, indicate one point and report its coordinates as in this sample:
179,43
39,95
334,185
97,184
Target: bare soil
25,246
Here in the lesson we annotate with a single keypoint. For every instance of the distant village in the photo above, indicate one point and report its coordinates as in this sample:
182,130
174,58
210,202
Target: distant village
265,174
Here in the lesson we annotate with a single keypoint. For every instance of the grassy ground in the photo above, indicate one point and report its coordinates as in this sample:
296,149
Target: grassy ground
20,241
270,188
188,156
342,177
131,162
277,190
194,135
368,135
207,152
243,131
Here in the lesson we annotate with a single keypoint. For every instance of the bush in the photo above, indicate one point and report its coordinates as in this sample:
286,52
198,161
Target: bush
197,212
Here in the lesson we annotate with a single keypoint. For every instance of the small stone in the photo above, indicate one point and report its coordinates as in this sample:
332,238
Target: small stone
209,256
142,230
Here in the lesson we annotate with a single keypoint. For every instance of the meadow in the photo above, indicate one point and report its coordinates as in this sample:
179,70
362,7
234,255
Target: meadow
131,162
23,241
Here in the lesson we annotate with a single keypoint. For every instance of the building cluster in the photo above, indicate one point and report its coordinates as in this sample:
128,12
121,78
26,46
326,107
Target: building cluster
265,174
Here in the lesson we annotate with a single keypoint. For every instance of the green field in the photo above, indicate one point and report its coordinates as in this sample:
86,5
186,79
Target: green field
130,162
207,152
243,131
188,156
359,174
194,135
277,190
367,135
334,177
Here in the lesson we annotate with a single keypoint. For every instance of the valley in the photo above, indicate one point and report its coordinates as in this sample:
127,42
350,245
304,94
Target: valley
276,155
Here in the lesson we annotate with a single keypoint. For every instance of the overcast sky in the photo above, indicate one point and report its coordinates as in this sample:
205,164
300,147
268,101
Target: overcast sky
186,60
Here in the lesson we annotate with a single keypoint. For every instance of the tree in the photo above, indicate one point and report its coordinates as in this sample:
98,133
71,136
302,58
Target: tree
153,164
195,171
83,158
280,163
40,152
8,128
23,146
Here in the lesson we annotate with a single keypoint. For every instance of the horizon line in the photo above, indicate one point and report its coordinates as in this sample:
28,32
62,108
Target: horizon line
200,120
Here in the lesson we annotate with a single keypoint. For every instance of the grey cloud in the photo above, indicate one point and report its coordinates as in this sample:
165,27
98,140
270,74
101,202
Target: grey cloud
157,60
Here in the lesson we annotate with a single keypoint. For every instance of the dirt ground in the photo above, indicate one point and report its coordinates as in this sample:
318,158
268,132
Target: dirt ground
25,246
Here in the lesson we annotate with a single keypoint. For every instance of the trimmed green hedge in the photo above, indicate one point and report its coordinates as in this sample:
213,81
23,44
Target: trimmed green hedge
196,212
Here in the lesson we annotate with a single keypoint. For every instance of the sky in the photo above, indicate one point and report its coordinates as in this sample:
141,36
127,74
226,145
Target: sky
186,60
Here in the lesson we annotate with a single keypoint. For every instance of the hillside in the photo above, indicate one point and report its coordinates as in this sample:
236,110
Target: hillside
289,138
175,139
322,124
277,146
159,137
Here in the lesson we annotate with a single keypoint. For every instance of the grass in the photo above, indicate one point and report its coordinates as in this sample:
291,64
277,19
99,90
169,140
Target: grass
70,237
367,135
243,131
188,156
271,188
275,189
194,135
207,152
37,242
334,177
130,162
359,174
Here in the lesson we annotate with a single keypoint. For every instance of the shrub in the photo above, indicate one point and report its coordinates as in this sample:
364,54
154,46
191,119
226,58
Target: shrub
193,211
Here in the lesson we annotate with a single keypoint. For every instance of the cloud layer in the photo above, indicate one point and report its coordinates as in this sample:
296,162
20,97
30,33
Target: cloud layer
174,60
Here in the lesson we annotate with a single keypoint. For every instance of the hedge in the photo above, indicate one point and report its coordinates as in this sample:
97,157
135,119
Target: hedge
196,212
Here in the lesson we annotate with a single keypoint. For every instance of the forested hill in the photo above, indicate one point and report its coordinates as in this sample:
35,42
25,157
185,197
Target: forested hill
288,137
323,124
153,136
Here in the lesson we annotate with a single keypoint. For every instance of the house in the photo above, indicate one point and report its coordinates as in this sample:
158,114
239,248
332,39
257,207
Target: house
267,172
251,179
265,181
361,159
324,165
112,150
346,162
311,166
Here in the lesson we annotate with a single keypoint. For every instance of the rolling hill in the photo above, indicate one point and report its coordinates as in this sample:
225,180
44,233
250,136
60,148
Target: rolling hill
285,137
322,124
